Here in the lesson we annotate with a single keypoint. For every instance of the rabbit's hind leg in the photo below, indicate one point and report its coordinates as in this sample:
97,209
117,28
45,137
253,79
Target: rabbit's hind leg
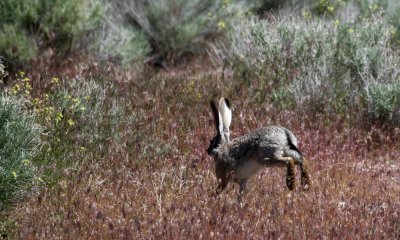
290,168
305,177
290,171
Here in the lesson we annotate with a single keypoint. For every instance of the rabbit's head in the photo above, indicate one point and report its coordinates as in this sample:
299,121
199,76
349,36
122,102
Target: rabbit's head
222,117
214,143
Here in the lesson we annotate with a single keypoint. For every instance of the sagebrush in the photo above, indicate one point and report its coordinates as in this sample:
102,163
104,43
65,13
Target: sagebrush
320,65
20,142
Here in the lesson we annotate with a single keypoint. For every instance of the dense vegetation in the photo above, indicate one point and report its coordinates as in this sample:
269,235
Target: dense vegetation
104,116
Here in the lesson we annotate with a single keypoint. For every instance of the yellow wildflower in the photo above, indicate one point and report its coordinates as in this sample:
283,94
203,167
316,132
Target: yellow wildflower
59,116
331,9
16,89
28,86
221,25
36,101
55,80
26,162
14,174
71,122
350,30
374,7
39,179
307,15
336,23
75,100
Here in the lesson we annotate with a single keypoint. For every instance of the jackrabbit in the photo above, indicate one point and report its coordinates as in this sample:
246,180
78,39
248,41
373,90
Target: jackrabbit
239,159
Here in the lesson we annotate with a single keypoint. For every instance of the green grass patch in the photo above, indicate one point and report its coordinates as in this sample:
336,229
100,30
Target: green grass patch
20,143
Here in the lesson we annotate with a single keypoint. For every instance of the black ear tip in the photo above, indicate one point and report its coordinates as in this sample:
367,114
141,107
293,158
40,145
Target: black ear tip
227,103
215,113
213,106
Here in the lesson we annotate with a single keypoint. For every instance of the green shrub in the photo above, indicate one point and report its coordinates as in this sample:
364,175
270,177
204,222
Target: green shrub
383,101
15,43
77,115
325,65
168,29
122,43
359,10
80,113
27,26
19,144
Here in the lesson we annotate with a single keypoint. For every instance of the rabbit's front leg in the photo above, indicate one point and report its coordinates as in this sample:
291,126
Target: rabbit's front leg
221,186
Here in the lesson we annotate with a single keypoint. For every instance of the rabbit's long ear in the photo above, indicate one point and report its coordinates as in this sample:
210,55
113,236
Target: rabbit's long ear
226,112
217,117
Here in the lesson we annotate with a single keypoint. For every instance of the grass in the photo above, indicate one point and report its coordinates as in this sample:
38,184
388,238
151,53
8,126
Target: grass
156,181
125,153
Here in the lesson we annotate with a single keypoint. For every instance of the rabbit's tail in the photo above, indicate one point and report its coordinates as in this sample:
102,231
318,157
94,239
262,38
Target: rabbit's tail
293,151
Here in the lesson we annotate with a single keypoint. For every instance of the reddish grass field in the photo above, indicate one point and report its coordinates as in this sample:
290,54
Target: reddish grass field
157,182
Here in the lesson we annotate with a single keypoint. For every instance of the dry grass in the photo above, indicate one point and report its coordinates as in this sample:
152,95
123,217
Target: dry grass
157,180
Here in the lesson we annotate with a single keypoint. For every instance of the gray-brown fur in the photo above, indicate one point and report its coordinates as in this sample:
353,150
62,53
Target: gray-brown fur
239,159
